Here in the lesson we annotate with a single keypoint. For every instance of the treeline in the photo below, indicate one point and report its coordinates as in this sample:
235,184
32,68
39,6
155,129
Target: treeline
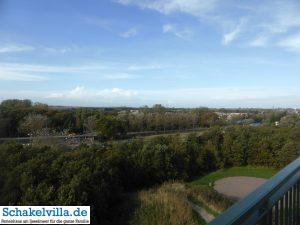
261,146
159,118
99,175
23,118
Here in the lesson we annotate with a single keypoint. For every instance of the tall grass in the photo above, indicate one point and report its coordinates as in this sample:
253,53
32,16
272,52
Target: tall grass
165,205
209,199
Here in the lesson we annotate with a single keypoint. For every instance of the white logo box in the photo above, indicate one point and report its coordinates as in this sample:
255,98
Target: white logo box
44,214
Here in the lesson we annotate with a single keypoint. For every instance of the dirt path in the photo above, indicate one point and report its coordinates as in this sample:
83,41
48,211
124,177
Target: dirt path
201,212
236,188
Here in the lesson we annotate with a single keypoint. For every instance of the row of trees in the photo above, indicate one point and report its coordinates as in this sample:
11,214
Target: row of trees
170,120
261,146
23,118
99,175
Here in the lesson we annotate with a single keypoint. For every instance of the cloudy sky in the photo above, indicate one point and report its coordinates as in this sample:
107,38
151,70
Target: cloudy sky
215,53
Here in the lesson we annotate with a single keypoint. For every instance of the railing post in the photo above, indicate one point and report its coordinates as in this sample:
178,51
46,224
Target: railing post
286,208
281,211
276,213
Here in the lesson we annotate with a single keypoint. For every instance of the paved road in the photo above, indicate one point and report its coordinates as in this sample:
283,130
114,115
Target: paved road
93,135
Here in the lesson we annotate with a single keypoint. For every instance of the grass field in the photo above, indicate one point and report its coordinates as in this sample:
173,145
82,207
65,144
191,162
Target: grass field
260,172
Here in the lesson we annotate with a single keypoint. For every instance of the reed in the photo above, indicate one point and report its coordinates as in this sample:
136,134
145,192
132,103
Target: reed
165,205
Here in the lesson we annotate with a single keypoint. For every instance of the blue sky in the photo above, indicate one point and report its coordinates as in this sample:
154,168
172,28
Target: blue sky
178,53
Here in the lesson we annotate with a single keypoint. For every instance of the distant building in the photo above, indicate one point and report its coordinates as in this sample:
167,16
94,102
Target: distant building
230,116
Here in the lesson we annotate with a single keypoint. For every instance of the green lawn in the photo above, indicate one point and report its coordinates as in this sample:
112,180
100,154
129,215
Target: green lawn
260,172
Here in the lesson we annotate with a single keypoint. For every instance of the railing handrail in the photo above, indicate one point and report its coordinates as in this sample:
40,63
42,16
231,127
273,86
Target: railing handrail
257,202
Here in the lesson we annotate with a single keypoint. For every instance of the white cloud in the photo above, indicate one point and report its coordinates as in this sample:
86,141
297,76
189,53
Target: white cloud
259,41
233,34
52,50
284,16
225,97
13,48
148,67
7,75
270,19
104,71
132,32
229,37
35,68
81,93
31,72
193,7
120,76
77,92
178,32
19,48
116,93
212,97
111,26
99,22
291,43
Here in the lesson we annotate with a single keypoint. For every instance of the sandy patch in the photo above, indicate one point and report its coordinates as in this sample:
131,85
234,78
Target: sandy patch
235,188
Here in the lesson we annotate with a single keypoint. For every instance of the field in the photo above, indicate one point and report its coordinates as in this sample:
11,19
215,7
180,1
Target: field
259,172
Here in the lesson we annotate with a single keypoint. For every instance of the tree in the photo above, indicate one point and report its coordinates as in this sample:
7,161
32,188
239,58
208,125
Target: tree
13,111
287,153
90,124
4,126
290,121
109,127
33,124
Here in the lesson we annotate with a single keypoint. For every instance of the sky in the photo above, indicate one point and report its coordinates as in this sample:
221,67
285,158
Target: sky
191,53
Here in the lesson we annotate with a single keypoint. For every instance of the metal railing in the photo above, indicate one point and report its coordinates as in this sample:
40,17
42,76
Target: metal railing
274,203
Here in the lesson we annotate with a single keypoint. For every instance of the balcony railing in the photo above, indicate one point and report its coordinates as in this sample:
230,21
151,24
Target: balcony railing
274,203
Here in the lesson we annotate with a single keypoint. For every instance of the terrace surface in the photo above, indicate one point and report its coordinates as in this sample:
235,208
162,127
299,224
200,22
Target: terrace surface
236,188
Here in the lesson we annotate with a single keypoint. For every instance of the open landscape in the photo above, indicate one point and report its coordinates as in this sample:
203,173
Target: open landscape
150,112
162,176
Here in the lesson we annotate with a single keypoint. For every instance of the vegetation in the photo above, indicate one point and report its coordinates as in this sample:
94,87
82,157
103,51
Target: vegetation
101,175
23,118
167,204
248,171
163,206
209,199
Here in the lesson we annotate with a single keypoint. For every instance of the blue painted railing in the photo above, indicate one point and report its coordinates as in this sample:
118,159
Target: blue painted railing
274,203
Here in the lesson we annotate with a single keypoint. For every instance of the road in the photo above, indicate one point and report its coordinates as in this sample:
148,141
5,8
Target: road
93,135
